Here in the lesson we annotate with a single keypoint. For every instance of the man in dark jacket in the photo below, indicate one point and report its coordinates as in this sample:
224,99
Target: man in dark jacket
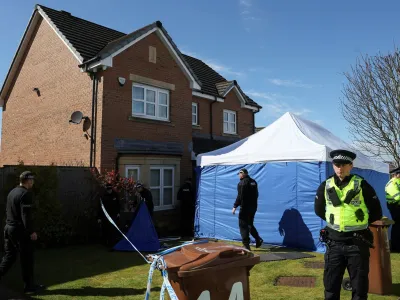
112,205
187,203
247,200
146,196
19,232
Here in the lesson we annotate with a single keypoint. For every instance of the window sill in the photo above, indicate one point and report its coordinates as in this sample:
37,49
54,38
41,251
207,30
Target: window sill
197,127
151,121
230,134
164,208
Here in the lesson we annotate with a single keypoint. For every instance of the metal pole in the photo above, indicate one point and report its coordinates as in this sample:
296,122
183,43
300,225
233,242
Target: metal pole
91,129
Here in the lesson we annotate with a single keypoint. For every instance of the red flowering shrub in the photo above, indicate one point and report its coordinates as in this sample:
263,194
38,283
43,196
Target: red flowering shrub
118,183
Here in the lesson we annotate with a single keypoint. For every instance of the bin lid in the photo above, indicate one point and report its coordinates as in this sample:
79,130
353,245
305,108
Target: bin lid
384,222
207,255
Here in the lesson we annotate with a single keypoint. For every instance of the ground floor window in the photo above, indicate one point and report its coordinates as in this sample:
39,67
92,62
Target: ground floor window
132,172
162,186
130,201
158,174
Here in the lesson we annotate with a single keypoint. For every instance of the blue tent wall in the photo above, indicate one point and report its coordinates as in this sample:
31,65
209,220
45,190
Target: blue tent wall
196,221
285,213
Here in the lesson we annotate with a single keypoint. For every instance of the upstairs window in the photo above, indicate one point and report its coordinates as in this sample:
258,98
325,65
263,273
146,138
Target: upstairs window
230,122
150,102
195,114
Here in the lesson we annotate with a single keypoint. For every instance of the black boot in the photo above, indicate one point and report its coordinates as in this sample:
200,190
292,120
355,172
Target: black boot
34,288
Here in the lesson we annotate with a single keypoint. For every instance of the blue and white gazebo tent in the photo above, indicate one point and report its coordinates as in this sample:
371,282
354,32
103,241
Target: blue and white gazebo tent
289,159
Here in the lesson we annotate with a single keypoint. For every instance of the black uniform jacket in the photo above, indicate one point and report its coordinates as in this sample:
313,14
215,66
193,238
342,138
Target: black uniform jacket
19,209
186,196
148,198
247,195
112,205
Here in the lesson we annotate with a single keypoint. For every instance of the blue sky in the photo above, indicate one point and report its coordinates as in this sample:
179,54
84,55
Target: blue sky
287,55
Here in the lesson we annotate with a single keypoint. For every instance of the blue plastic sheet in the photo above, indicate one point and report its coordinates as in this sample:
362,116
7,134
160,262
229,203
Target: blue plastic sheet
285,213
141,233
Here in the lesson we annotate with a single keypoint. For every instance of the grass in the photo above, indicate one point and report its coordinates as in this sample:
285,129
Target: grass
91,272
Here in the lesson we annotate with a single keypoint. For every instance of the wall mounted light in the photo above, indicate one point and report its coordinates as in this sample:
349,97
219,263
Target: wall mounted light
37,91
121,81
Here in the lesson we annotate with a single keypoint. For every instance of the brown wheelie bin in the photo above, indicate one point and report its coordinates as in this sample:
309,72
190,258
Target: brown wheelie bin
210,271
380,269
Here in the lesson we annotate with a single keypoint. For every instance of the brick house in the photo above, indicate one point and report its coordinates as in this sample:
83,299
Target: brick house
151,108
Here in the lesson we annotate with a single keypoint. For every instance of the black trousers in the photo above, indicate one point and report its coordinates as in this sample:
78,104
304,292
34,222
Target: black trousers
16,240
109,232
246,226
187,221
395,234
355,258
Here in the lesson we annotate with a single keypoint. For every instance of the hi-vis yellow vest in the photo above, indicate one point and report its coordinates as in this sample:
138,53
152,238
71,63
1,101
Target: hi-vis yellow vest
343,217
392,190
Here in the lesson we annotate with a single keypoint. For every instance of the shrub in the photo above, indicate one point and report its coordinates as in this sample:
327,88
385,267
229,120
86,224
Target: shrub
55,224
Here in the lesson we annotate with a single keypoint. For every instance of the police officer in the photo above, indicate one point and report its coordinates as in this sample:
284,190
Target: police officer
19,232
146,196
392,190
247,200
112,205
348,204
187,201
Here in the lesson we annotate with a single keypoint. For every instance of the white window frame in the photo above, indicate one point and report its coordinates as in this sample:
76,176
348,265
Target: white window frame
126,196
132,167
227,122
194,104
156,103
161,187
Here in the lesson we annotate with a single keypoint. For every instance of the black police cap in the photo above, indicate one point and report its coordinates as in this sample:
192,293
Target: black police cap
26,175
244,171
342,156
395,171
138,184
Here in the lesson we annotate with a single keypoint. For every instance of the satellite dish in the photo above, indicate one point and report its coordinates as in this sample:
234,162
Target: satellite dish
76,117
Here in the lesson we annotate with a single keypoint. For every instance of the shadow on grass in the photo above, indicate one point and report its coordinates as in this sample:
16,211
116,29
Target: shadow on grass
396,289
285,249
57,266
91,291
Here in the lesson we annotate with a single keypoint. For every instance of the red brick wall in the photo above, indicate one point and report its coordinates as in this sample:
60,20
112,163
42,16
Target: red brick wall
203,106
36,129
118,102
244,116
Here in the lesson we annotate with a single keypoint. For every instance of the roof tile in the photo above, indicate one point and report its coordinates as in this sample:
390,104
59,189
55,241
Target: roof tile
91,40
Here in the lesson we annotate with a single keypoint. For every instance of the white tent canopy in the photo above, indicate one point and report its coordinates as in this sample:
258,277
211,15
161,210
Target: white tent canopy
290,138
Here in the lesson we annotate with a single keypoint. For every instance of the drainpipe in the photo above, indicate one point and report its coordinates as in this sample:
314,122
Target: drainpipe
93,120
254,120
117,162
211,118
95,124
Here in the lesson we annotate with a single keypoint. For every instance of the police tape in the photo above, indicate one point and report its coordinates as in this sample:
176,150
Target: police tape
112,222
157,262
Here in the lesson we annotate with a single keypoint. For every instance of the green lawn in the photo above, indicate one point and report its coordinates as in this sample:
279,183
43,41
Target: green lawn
91,272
